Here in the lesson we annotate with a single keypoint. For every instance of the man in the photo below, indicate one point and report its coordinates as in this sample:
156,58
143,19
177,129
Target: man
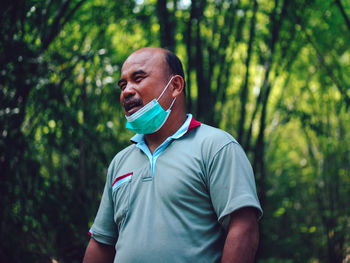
183,191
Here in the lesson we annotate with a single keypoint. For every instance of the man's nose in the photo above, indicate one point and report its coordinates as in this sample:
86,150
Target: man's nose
128,91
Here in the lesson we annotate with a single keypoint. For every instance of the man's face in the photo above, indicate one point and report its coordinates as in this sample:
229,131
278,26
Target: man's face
142,79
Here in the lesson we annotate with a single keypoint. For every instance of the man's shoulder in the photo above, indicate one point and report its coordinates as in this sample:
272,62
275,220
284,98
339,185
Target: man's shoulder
209,140
209,133
121,155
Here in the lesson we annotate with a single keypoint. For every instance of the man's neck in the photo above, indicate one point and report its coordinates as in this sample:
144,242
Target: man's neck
172,124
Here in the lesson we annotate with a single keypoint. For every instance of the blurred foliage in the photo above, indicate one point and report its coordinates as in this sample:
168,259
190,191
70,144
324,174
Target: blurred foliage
275,74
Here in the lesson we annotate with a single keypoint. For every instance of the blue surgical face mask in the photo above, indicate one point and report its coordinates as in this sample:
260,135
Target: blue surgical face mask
150,118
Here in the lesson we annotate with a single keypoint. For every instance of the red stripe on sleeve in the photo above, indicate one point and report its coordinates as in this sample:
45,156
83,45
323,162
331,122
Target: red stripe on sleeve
121,177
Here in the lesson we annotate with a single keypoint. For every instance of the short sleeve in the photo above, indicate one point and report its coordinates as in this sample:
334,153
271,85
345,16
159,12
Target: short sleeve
104,229
231,182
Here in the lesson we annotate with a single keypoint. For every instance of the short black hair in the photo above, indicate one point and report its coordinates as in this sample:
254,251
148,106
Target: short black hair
175,65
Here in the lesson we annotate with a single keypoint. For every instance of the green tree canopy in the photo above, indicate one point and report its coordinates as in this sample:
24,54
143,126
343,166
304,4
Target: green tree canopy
273,73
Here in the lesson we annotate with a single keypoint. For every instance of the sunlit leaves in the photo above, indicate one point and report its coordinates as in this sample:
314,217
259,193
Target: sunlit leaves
72,123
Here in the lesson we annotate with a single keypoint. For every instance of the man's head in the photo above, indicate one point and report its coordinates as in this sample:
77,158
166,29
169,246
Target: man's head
174,65
144,75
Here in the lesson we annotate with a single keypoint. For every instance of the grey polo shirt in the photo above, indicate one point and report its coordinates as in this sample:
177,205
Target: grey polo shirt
174,205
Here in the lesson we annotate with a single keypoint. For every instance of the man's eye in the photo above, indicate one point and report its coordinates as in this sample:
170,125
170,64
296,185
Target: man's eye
138,78
122,86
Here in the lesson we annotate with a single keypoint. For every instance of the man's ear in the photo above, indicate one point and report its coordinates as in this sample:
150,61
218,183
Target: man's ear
177,85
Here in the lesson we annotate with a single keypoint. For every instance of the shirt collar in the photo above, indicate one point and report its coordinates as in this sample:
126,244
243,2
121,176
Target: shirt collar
188,125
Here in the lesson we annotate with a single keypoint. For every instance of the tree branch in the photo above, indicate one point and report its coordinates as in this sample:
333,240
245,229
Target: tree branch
56,26
342,11
328,70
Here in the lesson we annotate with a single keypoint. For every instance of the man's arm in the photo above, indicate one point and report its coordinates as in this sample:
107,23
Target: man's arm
97,252
242,237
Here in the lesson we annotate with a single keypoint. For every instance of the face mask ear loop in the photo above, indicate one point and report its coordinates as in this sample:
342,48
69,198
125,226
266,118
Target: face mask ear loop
167,85
172,104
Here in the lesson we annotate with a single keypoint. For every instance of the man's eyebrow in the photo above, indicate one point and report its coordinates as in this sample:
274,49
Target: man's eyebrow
138,72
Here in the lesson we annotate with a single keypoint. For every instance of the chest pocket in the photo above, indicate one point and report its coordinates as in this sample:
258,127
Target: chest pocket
121,198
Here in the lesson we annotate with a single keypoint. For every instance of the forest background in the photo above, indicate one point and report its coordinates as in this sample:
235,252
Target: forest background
273,73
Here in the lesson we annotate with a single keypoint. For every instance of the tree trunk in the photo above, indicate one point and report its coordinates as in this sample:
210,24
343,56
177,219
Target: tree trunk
259,160
167,26
244,90
205,108
188,39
